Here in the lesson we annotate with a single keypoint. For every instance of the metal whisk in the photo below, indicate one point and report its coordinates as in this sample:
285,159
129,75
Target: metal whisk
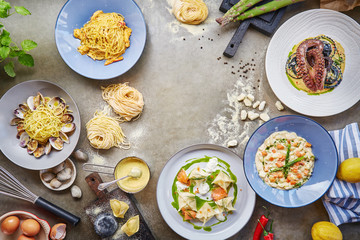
12,187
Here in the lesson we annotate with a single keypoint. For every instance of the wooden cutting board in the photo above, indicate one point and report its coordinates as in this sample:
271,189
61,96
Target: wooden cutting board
102,205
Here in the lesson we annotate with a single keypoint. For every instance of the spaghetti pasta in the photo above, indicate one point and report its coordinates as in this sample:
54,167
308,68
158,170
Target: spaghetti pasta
105,36
42,123
125,100
190,11
104,132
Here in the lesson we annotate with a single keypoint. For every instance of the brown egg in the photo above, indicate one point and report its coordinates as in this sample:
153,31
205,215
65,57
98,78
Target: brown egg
30,227
10,225
23,237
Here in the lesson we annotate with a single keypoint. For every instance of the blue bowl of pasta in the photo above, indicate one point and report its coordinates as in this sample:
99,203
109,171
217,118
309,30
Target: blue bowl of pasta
76,13
290,161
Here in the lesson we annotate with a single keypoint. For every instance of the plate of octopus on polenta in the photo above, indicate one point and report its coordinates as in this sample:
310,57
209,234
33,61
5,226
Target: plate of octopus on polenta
312,62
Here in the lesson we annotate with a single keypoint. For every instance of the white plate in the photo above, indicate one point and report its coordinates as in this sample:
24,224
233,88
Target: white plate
9,144
244,205
307,24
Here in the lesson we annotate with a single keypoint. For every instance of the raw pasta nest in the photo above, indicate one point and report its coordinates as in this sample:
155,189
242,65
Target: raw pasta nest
104,132
125,100
190,11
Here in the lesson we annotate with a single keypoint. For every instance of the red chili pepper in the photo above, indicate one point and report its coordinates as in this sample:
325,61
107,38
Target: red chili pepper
259,227
268,235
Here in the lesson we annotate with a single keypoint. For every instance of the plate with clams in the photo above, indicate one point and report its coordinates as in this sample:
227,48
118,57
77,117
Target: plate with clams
27,107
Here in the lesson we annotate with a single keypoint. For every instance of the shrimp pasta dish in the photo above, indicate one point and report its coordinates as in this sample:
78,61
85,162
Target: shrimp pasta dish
285,160
105,36
204,192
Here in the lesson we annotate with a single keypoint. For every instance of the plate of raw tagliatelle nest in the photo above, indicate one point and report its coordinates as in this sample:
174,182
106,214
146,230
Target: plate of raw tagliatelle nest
312,62
202,193
100,39
40,124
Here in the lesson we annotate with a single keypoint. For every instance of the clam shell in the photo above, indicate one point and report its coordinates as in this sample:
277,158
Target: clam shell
32,146
57,104
58,231
19,134
39,151
67,118
20,127
68,127
19,113
15,121
24,139
30,103
47,148
24,107
64,137
56,143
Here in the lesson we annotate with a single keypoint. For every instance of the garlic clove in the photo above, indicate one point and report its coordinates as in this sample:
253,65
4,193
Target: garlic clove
64,175
47,176
80,155
76,192
58,231
55,183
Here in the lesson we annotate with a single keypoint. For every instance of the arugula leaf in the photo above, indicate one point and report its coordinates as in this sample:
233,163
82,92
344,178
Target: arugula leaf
9,69
27,45
4,52
26,59
22,11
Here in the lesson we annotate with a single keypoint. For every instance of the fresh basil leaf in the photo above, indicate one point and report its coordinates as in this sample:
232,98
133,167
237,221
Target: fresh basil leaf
26,59
15,53
1,25
21,10
27,45
4,7
4,52
5,41
9,69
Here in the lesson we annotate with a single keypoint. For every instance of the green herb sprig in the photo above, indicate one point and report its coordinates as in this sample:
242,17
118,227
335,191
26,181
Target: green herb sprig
8,48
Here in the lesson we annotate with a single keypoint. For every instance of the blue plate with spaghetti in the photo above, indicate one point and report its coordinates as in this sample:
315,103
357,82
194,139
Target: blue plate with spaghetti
324,172
75,13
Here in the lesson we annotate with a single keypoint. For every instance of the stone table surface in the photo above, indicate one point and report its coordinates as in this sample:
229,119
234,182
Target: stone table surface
189,89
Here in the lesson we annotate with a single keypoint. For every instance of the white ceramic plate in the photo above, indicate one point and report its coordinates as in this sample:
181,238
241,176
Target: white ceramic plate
307,24
9,144
244,205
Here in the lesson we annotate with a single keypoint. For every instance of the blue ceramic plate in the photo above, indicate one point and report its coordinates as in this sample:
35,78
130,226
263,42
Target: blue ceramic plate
76,13
324,172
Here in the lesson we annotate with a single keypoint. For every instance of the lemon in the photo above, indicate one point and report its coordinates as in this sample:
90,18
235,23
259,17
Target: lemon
349,170
325,231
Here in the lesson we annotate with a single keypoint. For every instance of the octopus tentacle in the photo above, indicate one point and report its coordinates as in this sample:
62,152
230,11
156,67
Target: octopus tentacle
311,64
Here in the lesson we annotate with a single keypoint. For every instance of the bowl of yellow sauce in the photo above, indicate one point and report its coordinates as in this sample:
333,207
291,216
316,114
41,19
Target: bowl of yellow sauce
132,184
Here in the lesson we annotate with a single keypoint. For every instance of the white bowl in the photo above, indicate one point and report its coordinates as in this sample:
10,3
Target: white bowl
66,184
23,215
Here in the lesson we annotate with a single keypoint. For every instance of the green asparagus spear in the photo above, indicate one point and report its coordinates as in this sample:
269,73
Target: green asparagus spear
287,165
236,10
268,7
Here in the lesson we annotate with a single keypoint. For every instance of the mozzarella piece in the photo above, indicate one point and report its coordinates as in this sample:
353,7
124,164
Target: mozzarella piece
203,188
211,166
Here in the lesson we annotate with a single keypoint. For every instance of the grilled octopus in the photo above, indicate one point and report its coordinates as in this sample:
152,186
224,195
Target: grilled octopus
311,64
